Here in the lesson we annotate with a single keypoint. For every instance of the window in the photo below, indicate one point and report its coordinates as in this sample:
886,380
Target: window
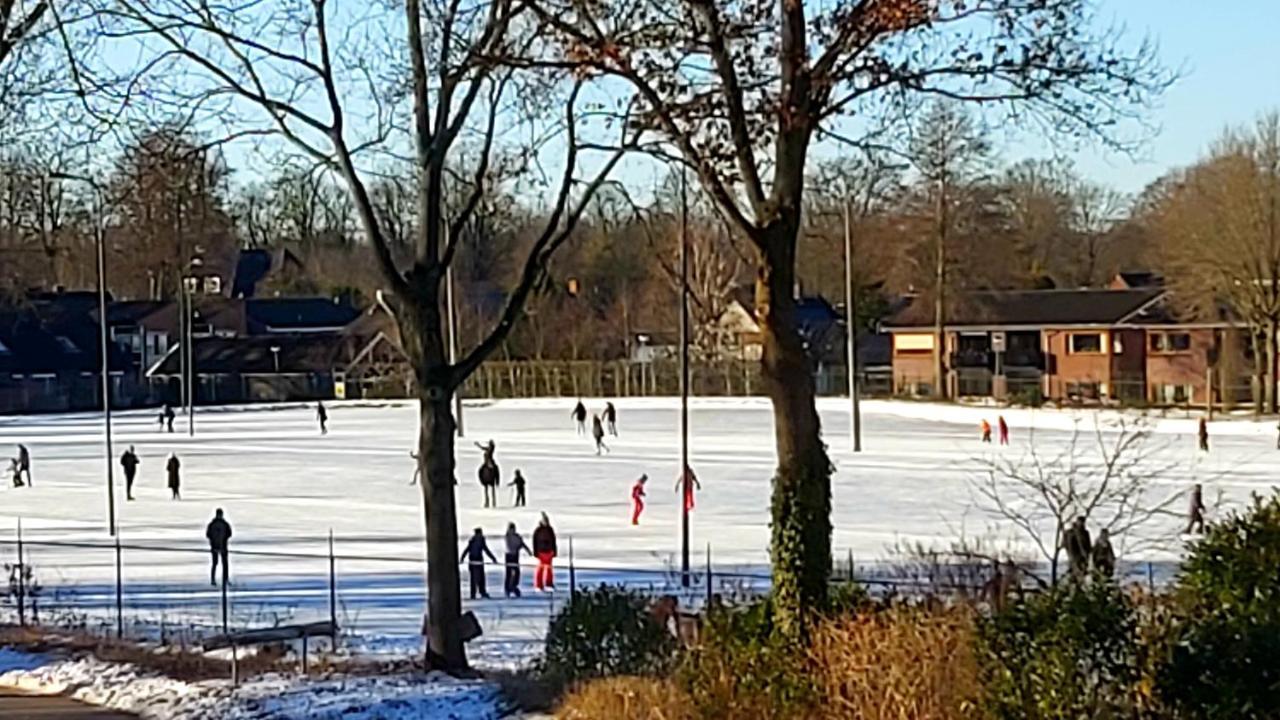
1085,390
1170,342
1086,343
913,343
1173,394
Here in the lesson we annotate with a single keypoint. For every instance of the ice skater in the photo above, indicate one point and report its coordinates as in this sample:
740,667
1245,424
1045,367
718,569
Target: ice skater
597,432
173,468
611,418
515,543
16,471
1004,430
490,479
417,468
637,499
166,417
579,415
218,534
518,483
688,482
1079,548
1104,557
1203,433
986,431
474,554
488,449
323,416
1195,513
544,548
129,461
24,463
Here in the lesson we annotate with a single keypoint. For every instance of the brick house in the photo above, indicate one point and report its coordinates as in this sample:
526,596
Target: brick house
1120,344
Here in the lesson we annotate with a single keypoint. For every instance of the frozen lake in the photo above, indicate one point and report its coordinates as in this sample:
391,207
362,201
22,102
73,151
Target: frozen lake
284,487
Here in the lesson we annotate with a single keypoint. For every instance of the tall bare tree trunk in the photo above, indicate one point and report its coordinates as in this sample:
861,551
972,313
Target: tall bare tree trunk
801,504
422,330
1269,392
939,298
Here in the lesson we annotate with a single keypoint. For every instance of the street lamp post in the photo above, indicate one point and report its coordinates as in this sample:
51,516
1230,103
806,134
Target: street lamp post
684,382
851,330
99,238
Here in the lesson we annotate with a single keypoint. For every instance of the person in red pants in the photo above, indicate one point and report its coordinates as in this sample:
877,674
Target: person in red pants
688,487
544,548
1004,430
637,499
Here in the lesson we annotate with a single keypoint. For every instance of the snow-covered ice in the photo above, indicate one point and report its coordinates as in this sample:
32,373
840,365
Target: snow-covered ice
284,487
125,687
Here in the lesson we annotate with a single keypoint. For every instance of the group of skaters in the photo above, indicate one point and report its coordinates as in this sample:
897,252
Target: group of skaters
544,550
1001,425
167,416
600,423
130,461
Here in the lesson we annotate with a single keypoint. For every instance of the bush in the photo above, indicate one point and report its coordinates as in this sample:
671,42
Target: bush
1222,657
1070,652
1027,396
742,670
900,662
626,698
604,632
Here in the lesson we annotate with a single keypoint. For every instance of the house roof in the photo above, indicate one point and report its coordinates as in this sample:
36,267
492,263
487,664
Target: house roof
298,314
51,338
132,311
255,265
1031,308
297,353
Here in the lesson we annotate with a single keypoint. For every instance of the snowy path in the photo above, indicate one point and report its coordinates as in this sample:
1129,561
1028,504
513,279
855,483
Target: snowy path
284,486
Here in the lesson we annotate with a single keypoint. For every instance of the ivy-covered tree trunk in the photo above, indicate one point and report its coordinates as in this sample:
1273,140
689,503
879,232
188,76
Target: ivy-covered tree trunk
800,543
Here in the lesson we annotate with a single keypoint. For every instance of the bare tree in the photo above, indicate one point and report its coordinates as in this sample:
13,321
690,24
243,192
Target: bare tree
1109,477
741,91
330,81
1218,232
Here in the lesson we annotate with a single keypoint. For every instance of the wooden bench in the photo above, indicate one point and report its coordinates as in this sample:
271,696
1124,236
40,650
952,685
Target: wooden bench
262,636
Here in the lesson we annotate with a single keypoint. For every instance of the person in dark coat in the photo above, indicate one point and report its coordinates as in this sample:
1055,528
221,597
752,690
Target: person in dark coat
1203,433
488,449
218,534
518,484
515,543
611,418
129,461
597,432
474,554
1079,548
1104,557
544,548
580,417
16,471
24,463
1195,513
323,416
175,483
490,479
166,416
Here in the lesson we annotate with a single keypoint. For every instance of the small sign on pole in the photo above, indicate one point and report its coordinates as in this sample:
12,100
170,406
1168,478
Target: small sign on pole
998,341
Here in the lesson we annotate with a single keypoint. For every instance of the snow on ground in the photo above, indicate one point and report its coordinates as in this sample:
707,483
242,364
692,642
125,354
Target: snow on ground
127,688
284,487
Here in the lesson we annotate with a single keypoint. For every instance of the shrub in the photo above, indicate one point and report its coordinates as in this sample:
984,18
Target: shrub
742,669
1222,658
1070,652
604,632
1027,396
626,698
901,662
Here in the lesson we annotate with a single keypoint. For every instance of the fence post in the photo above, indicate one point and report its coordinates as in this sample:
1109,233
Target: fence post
851,574
333,595
22,580
708,575
225,573
573,574
119,590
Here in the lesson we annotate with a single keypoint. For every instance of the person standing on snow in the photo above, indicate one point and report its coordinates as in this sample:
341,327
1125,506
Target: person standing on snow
1004,430
986,431
1079,548
611,418
544,548
688,487
129,461
474,554
488,449
175,483
579,415
1104,558
166,417
637,499
515,543
16,470
518,483
1203,433
1195,514
218,534
489,481
597,432
323,416
24,463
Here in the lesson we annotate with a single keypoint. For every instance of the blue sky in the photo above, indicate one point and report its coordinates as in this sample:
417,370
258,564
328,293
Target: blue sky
1230,54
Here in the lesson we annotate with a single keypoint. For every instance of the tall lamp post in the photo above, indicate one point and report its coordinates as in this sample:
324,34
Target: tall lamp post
187,294
851,330
99,241
684,382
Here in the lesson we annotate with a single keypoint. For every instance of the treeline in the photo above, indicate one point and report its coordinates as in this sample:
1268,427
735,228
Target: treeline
944,208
